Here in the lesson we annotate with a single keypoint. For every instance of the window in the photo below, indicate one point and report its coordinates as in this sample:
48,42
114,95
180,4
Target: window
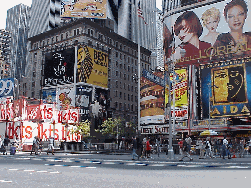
62,36
78,31
120,95
128,77
128,68
91,32
120,56
128,97
116,104
116,54
116,93
124,66
116,73
74,32
124,77
128,87
124,96
136,89
135,98
120,66
52,40
120,74
116,64
132,88
116,84
124,85
57,38
66,35
132,98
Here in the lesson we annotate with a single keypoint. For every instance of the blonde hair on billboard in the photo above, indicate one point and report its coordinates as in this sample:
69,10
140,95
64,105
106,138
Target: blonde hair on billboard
212,12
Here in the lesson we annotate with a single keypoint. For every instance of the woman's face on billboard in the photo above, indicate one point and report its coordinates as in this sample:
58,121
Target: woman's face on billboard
184,34
236,18
212,24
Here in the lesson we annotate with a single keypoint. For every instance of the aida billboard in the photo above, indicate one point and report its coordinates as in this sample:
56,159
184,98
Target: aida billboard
152,98
207,33
226,87
84,8
92,66
59,67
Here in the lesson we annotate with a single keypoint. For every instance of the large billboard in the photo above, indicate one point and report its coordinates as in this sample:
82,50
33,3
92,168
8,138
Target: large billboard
152,98
92,66
226,87
84,8
65,98
207,33
59,67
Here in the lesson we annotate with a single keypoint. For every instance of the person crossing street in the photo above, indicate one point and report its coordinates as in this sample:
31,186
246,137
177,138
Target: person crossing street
186,150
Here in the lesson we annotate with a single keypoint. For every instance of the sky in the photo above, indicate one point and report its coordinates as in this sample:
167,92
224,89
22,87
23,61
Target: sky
11,3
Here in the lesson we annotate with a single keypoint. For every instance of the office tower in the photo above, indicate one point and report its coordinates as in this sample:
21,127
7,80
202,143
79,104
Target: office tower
17,23
45,15
5,41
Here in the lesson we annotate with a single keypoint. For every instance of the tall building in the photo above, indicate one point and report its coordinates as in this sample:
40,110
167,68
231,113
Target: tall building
127,22
45,15
5,42
17,23
159,26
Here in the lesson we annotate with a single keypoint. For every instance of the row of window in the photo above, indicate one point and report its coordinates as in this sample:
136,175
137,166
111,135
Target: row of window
90,32
125,107
130,88
125,96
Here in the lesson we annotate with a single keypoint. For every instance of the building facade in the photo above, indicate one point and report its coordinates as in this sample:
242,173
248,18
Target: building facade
122,62
17,23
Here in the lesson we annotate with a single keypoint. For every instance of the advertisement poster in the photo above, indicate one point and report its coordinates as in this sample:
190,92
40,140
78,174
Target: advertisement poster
49,96
152,98
65,98
92,66
6,87
59,67
206,33
181,95
83,100
228,86
84,8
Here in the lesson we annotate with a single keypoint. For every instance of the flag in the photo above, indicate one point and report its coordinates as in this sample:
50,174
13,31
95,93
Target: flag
140,13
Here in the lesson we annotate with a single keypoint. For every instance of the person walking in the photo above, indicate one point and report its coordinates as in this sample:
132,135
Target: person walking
40,146
144,147
35,145
224,147
241,148
6,144
51,145
201,148
186,151
148,148
189,142
180,143
209,148
134,148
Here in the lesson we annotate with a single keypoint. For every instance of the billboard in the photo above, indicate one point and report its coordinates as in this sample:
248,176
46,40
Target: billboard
65,98
92,66
204,34
84,8
59,67
228,87
152,98
83,100
49,96
6,87
181,95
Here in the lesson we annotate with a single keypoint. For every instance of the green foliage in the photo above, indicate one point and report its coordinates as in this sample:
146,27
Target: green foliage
83,128
111,126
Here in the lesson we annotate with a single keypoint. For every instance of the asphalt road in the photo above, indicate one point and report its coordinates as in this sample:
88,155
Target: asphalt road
67,170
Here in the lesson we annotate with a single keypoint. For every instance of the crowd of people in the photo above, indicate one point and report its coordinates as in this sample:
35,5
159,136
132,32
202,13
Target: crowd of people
204,147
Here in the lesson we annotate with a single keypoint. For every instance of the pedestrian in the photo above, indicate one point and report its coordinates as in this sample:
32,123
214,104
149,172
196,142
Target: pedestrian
180,143
148,148
186,151
202,149
35,145
6,144
197,146
224,147
134,148
189,142
208,148
51,145
241,147
40,146
144,147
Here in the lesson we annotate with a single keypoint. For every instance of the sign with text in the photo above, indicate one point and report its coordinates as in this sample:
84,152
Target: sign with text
84,8
92,67
6,87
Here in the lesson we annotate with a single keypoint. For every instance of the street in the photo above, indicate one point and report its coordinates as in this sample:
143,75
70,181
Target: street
96,170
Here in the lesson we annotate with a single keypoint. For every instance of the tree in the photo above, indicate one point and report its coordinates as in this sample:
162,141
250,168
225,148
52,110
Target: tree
83,128
112,127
